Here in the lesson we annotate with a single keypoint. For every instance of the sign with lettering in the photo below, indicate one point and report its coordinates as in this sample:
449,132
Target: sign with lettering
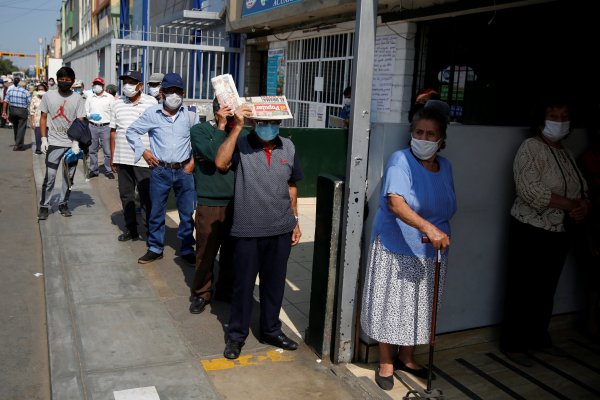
250,7
384,63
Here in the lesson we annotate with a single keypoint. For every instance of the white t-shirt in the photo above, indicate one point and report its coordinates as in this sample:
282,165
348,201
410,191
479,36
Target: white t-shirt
124,112
62,110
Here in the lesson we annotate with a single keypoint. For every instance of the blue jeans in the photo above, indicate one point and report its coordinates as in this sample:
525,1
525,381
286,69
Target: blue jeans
162,180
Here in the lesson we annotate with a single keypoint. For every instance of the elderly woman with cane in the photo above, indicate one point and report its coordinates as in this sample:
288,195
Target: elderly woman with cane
417,201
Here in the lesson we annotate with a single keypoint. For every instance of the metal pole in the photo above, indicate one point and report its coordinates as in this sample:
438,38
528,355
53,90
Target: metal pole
356,176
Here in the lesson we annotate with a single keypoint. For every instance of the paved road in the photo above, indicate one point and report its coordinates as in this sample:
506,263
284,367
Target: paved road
23,338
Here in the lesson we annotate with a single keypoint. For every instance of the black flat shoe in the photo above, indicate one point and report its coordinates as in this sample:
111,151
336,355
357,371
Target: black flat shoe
384,382
281,341
419,373
128,236
149,257
232,349
198,304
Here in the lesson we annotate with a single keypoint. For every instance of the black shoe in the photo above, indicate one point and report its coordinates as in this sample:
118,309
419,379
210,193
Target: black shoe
232,349
281,341
128,236
110,175
189,258
64,210
419,373
384,382
43,213
92,174
198,304
38,152
149,257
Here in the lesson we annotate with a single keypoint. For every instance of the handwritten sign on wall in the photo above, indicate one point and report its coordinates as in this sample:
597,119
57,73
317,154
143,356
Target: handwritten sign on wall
384,64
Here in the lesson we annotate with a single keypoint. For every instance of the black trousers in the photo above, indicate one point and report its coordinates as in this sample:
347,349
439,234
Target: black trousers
18,116
131,177
266,257
536,259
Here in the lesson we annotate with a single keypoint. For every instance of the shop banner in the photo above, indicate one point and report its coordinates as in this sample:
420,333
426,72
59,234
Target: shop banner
256,6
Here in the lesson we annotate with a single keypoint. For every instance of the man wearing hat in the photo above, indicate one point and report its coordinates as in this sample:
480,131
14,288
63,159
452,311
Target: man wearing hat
98,109
132,175
170,157
265,226
17,102
154,85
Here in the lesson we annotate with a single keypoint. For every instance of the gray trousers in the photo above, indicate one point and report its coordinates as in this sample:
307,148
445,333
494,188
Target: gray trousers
100,134
54,157
18,116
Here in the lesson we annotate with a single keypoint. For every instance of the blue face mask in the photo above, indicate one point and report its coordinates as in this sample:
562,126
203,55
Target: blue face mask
267,132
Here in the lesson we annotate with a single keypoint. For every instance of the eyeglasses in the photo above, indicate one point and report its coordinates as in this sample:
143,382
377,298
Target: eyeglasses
264,123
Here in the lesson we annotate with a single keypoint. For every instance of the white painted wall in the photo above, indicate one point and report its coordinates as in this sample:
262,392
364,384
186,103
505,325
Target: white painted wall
86,69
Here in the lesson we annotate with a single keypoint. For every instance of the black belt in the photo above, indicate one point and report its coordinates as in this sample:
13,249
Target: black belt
173,165
104,124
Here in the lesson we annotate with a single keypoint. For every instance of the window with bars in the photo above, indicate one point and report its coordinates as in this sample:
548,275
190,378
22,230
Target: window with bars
328,57
492,68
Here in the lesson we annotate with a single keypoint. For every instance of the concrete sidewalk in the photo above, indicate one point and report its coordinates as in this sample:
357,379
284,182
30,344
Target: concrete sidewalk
115,325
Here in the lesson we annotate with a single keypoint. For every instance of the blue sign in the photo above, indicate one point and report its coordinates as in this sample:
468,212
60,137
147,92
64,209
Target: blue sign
256,6
275,72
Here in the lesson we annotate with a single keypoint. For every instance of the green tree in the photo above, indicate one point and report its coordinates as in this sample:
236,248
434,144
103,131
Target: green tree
7,67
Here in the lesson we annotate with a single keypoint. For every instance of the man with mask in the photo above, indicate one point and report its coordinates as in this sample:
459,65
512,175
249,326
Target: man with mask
131,174
58,109
154,85
98,109
16,102
172,164
52,84
214,211
265,225
345,112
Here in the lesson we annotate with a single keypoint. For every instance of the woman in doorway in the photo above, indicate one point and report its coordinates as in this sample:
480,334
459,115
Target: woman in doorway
417,200
550,195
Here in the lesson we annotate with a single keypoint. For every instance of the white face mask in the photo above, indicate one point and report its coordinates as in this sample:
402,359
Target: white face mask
97,89
41,92
424,149
555,131
129,90
173,101
153,91
347,101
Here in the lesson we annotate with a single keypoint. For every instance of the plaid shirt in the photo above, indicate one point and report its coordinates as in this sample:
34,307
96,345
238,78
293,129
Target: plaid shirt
18,97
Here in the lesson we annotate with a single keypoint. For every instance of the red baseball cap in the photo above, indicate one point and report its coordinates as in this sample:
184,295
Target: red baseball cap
98,80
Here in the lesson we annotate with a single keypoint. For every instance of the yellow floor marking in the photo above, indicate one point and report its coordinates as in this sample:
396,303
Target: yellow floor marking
217,364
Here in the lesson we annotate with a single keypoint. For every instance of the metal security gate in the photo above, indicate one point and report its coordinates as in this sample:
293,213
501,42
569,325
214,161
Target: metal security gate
195,55
327,57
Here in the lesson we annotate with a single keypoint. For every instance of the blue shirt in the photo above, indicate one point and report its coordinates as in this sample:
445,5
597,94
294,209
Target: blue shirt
429,194
17,96
169,135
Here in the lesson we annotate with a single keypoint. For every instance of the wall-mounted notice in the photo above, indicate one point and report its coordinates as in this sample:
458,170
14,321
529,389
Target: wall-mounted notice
381,93
385,54
384,65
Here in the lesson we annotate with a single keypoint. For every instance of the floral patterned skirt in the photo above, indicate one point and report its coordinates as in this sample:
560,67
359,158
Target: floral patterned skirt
398,295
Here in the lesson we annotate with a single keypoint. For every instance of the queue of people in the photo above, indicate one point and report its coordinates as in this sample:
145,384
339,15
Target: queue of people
223,170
